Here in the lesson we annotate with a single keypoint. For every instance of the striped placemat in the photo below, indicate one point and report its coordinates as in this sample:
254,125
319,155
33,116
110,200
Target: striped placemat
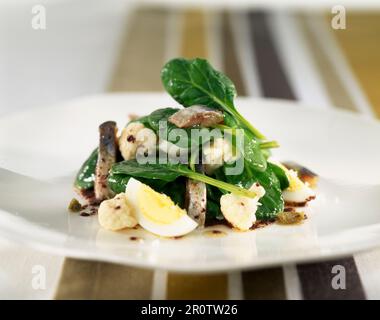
295,56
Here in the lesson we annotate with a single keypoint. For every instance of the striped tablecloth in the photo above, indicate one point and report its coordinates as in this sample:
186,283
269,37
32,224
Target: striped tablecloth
295,56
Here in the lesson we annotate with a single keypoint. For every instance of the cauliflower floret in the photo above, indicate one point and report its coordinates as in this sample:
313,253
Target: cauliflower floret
241,211
173,152
116,214
127,140
216,153
146,141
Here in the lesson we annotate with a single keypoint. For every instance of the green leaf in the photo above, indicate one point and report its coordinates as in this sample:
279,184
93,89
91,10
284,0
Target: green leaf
174,189
281,176
169,172
164,172
192,82
160,115
272,202
196,82
153,120
85,177
252,152
213,203
118,182
213,210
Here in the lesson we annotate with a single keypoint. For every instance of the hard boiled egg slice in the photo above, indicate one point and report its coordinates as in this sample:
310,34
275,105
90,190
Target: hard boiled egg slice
297,192
156,212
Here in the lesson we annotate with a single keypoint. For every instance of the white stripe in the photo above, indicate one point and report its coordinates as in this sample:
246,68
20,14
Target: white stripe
368,264
296,59
292,283
159,285
246,59
331,49
214,39
173,34
235,286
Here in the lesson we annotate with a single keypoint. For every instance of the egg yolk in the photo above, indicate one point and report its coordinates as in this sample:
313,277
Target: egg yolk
295,183
158,207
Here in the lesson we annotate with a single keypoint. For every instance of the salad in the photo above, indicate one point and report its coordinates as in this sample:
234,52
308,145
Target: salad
178,169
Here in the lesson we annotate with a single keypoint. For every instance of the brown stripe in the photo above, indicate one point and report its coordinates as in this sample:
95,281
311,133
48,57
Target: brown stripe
142,53
230,59
330,77
74,282
203,286
138,69
97,280
274,82
194,35
361,45
316,281
265,284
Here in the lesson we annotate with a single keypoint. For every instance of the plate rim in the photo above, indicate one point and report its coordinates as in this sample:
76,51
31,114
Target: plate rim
82,254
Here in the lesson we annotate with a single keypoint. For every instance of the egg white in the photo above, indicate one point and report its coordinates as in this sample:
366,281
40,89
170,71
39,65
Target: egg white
302,193
179,227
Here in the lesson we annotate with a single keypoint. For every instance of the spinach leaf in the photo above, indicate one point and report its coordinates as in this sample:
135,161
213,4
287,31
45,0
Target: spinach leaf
213,203
169,172
272,202
251,151
174,189
195,81
85,177
164,172
183,135
118,182
152,121
213,210
160,115
281,176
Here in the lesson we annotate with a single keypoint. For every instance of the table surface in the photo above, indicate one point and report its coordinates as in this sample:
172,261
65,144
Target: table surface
109,46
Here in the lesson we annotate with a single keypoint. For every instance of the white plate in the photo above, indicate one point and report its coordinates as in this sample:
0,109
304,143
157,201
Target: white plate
48,146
